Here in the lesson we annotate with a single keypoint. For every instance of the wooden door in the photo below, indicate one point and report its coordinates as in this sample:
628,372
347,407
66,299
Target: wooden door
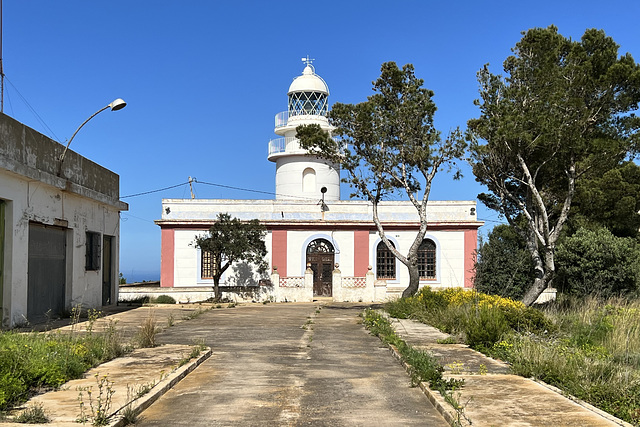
321,257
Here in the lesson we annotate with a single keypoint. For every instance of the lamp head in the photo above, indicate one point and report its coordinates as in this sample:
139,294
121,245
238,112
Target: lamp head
118,104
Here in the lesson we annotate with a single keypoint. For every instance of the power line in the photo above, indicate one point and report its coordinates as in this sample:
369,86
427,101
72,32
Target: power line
153,191
249,190
33,111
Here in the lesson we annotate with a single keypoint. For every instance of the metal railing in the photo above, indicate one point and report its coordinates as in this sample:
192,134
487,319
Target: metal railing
291,144
282,118
280,145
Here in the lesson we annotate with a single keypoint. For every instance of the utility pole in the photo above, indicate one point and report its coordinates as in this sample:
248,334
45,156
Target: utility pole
1,68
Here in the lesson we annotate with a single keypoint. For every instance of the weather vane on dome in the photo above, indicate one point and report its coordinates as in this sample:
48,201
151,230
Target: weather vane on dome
308,60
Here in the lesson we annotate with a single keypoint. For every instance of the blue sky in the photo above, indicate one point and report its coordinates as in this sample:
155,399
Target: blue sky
204,79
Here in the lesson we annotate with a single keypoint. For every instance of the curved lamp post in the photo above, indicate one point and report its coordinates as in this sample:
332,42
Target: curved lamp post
116,105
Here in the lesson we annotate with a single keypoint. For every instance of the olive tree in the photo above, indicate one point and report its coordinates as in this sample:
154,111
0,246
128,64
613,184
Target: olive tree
231,240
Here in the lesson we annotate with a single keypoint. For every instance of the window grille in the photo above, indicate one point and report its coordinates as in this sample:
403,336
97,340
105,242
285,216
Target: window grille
427,259
385,262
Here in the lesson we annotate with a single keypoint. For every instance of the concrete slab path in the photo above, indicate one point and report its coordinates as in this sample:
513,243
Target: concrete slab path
290,365
493,397
305,364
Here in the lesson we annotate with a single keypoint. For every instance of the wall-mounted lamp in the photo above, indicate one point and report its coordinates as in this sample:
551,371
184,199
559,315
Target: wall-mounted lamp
323,205
473,211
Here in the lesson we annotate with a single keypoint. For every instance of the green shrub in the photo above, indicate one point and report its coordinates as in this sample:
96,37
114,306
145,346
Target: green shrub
483,326
164,299
503,266
595,262
33,360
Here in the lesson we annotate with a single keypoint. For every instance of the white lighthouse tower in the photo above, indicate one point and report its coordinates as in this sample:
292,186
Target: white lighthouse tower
299,175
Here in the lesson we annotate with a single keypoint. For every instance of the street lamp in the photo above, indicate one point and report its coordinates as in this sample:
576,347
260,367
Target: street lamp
116,105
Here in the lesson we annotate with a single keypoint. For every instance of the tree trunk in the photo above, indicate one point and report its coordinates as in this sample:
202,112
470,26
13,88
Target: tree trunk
545,271
414,281
216,288
539,285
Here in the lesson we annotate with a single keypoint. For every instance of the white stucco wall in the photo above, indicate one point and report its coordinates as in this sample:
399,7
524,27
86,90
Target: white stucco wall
187,261
449,257
32,201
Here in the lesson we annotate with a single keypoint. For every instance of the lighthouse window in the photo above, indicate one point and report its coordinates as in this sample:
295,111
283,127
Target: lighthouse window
427,259
307,103
308,180
385,262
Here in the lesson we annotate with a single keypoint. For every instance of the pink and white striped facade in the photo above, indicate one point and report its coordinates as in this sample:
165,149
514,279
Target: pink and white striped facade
293,225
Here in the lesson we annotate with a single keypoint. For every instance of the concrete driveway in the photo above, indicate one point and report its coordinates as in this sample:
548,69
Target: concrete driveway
289,365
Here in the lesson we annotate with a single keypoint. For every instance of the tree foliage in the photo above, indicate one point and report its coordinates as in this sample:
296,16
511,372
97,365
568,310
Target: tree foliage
231,240
595,262
503,264
388,144
610,200
563,110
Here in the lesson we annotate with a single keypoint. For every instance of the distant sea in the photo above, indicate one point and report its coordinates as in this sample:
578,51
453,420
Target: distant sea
141,276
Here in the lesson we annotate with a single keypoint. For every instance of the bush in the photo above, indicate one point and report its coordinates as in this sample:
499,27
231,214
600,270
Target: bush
483,326
479,318
164,299
29,361
595,262
503,266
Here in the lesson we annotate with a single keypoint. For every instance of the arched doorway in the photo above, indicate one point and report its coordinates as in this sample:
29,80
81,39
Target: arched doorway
321,257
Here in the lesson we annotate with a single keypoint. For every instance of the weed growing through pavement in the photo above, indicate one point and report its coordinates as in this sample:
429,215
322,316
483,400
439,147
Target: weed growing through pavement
34,414
197,313
146,337
456,368
93,315
195,352
129,413
170,320
99,405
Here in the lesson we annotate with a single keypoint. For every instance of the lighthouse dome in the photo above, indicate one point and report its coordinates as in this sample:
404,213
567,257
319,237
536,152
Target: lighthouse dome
309,81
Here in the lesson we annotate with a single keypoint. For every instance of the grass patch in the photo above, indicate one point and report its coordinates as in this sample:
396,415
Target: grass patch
195,352
586,347
146,336
424,367
37,360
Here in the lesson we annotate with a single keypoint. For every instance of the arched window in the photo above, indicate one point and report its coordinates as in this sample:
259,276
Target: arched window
309,180
427,259
320,246
385,262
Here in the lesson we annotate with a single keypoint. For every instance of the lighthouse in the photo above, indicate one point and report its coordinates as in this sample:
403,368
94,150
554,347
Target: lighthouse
298,174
